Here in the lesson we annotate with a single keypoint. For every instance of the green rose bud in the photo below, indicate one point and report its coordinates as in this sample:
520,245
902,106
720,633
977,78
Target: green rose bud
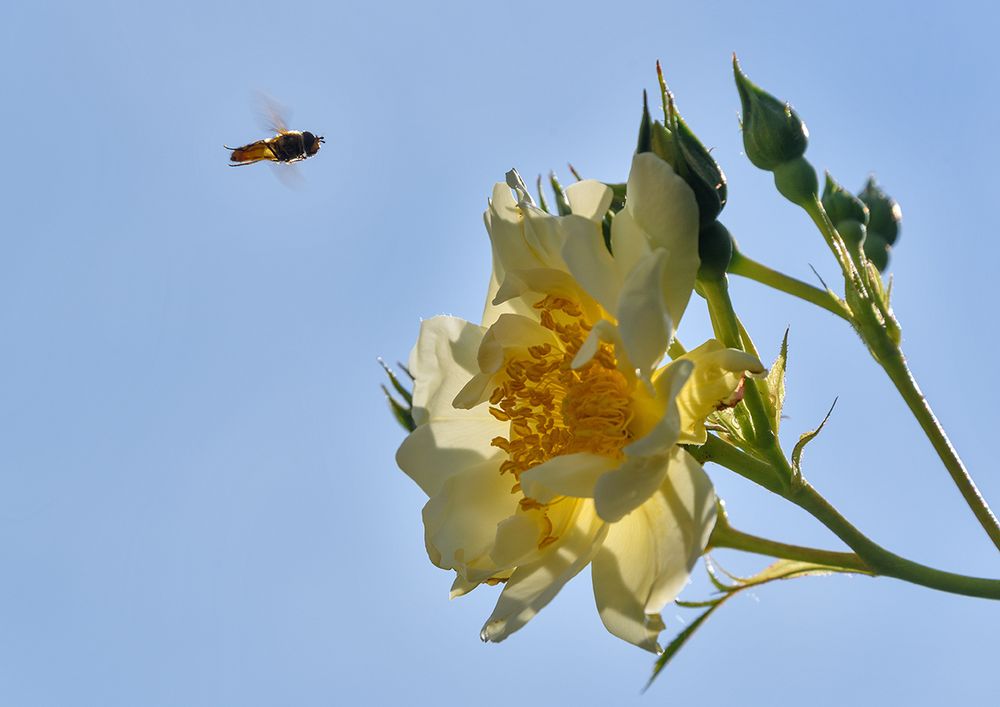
701,172
675,143
797,182
877,250
645,143
841,205
773,133
847,212
715,249
884,212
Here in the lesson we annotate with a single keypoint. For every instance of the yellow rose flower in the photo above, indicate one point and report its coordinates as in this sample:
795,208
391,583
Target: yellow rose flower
547,438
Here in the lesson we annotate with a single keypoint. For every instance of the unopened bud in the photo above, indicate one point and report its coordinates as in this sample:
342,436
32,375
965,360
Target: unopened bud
847,212
773,133
877,250
796,180
715,249
884,212
702,173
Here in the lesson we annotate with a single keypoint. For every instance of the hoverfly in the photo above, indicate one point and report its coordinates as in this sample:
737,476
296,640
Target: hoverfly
286,146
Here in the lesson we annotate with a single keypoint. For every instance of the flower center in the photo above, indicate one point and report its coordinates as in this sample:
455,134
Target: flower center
554,409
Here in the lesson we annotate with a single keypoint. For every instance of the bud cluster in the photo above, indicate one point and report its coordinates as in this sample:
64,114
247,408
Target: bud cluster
775,139
884,216
675,143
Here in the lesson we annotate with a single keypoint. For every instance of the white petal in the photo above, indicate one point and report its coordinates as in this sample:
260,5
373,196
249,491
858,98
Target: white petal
602,332
648,555
664,207
504,224
442,362
527,287
629,243
624,489
545,234
510,331
461,587
589,261
589,198
517,539
460,522
475,392
434,452
717,374
665,433
643,321
565,475
534,585
497,305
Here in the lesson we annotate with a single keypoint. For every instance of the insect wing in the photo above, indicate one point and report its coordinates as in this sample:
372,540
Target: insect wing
272,114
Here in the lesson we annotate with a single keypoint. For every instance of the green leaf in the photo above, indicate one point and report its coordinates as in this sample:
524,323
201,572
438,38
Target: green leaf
805,439
679,640
541,195
401,411
562,204
776,383
399,387
779,570
403,415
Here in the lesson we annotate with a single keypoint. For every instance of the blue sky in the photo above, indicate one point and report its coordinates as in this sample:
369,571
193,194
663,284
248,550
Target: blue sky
198,498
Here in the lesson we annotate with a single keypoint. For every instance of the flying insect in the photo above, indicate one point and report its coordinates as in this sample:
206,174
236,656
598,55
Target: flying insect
286,146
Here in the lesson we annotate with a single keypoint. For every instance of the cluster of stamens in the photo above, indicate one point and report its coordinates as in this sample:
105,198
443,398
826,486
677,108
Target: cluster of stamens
554,409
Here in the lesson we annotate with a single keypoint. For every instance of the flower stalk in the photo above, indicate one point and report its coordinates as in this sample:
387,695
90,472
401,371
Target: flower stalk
870,557
752,270
875,323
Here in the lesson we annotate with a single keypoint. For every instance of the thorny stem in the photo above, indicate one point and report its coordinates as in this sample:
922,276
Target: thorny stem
874,557
725,535
745,267
871,318
892,360
728,330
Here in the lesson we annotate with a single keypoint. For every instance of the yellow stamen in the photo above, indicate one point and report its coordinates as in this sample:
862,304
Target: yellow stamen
554,409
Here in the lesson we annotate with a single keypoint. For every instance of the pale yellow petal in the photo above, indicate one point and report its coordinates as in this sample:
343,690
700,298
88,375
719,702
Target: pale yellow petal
664,207
534,585
435,451
460,521
565,475
622,490
643,321
718,372
589,261
589,198
510,331
666,429
504,223
545,234
648,555
442,362
629,242
517,539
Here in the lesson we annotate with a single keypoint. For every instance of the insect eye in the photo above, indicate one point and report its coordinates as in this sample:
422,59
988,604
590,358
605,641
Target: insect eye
309,140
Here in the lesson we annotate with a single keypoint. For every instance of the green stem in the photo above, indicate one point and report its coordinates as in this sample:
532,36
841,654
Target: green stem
871,318
750,467
728,329
852,275
887,563
892,360
879,560
724,535
746,267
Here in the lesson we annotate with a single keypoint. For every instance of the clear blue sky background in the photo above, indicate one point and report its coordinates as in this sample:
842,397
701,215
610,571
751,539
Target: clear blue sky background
198,498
